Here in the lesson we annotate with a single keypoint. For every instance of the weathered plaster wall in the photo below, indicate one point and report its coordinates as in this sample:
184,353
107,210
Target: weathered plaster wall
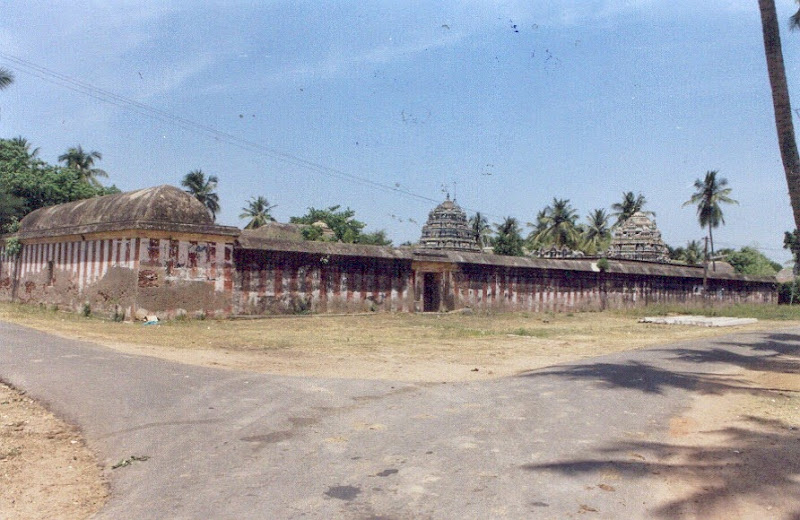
488,288
160,276
269,282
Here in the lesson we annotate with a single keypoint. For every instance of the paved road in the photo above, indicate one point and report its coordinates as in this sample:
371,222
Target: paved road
236,445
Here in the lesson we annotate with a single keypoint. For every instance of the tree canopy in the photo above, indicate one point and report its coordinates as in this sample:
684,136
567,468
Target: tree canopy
630,204
749,260
203,189
338,225
596,235
258,211
508,240
558,225
28,183
83,163
711,192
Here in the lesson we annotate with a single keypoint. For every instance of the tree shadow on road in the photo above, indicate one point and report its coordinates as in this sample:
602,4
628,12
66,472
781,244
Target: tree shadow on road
757,464
755,460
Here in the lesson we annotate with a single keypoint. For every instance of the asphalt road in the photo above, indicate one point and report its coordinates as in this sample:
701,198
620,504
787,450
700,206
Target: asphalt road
554,443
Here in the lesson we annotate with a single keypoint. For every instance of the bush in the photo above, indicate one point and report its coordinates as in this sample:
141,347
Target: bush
789,293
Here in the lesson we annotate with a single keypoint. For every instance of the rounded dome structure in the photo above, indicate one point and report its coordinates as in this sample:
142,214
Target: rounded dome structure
159,208
447,229
638,238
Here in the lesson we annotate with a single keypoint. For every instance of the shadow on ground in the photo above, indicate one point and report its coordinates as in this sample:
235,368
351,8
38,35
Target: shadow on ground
756,462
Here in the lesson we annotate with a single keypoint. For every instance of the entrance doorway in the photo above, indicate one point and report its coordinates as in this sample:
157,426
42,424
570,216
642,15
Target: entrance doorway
431,292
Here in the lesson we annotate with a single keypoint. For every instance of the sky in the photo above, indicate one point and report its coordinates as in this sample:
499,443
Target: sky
389,107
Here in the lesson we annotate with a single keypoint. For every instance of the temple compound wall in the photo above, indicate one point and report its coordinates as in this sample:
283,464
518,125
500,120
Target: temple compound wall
157,252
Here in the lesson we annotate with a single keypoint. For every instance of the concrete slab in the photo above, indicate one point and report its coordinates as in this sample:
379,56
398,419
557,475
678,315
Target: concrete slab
699,321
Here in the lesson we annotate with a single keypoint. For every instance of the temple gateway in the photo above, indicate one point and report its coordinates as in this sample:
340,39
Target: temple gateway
156,251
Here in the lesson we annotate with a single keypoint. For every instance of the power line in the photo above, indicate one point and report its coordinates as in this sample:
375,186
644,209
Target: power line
143,109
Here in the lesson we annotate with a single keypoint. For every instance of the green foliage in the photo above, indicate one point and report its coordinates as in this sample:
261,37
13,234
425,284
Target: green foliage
86,310
749,260
481,230
508,240
375,238
596,234
338,225
692,254
83,163
27,183
258,210
791,241
630,204
203,189
13,247
557,225
789,293
602,264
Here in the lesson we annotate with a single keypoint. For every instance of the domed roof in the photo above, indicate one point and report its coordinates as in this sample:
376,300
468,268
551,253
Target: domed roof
162,207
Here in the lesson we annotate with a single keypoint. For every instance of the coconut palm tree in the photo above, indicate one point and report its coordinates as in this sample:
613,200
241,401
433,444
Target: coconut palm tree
258,211
535,239
559,225
6,78
83,162
25,145
202,189
596,233
780,99
481,229
630,204
710,193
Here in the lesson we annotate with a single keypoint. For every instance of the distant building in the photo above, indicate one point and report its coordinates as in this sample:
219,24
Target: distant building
447,229
638,238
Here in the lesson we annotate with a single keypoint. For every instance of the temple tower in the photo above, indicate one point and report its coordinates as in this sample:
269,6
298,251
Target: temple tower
447,229
638,238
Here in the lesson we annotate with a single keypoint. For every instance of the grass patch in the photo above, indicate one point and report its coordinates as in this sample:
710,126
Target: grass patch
532,333
338,346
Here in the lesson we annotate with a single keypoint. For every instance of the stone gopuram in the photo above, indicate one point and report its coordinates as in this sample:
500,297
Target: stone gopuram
447,229
638,238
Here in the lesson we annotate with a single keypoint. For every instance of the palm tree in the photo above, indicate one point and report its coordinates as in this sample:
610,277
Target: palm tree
258,211
630,204
780,100
508,240
535,239
559,225
6,78
25,145
710,193
596,233
202,189
83,163
481,229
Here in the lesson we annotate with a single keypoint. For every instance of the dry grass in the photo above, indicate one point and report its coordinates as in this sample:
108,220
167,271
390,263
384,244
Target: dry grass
396,346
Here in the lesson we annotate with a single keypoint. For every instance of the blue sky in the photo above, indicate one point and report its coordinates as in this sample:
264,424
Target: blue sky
504,105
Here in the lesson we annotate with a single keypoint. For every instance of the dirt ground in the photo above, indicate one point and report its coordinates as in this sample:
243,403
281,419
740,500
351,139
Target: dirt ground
48,473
